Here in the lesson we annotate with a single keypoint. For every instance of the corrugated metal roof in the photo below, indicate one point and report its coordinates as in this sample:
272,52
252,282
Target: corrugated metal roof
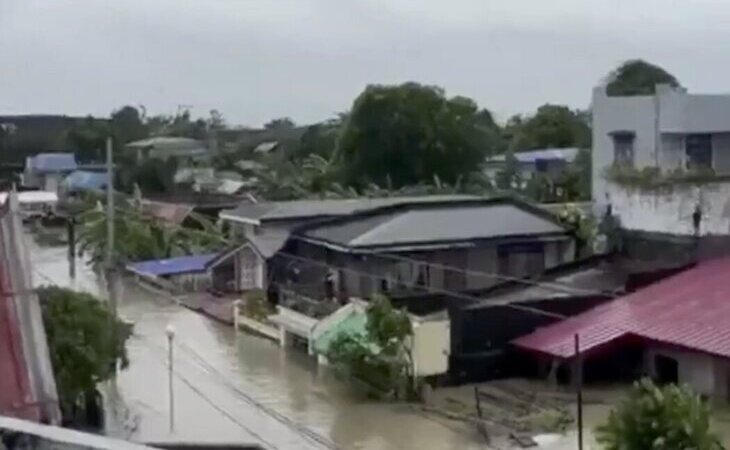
690,309
302,209
172,266
428,224
53,162
174,213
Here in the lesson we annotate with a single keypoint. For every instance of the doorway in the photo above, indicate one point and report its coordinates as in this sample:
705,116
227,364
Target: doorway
666,369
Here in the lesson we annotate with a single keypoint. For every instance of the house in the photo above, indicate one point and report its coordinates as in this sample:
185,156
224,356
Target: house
675,330
550,162
428,247
660,162
264,228
165,147
34,204
45,171
178,275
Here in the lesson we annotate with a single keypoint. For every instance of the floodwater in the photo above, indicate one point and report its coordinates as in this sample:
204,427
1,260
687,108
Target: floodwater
236,388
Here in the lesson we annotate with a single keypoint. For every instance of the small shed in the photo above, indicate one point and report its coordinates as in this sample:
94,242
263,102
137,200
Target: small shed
179,274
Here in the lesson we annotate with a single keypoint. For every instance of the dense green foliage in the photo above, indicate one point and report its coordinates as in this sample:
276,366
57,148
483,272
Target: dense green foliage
380,358
140,237
403,135
638,77
85,341
652,417
552,126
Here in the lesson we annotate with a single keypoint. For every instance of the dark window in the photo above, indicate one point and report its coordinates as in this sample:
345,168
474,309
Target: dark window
623,149
541,165
699,151
519,260
667,369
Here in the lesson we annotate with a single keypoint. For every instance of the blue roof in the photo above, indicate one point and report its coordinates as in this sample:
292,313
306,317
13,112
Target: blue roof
82,180
54,162
172,266
561,154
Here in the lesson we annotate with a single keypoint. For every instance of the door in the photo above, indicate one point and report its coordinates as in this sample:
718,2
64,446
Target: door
666,369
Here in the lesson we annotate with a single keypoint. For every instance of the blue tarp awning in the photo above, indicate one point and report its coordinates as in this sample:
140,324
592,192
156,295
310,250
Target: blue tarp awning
172,266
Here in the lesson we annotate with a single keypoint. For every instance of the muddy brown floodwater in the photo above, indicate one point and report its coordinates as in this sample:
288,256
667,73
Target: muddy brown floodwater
304,407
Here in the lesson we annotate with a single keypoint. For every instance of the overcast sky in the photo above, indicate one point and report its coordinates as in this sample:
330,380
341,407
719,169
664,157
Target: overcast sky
258,59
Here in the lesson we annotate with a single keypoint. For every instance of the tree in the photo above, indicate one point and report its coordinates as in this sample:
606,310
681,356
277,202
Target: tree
575,180
652,417
127,125
88,138
638,77
410,133
282,123
139,236
509,177
380,358
552,126
86,343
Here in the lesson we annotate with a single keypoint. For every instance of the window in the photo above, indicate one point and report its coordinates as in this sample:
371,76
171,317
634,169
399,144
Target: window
699,151
623,149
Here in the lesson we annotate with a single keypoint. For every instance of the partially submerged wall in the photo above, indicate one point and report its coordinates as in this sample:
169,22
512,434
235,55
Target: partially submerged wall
669,209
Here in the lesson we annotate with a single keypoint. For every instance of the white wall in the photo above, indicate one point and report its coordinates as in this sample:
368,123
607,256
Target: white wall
669,209
705,374
431,347
612,114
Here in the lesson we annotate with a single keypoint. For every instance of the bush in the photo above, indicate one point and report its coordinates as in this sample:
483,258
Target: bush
652,417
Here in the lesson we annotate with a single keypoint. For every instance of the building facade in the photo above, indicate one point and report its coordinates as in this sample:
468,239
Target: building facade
677,145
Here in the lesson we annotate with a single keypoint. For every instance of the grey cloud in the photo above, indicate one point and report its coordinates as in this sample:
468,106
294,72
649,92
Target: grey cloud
258,59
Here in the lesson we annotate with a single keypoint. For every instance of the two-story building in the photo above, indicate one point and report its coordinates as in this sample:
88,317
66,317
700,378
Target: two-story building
661,161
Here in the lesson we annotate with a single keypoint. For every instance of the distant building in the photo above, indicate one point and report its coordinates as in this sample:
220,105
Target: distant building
45,171
550,162
661,162
165,147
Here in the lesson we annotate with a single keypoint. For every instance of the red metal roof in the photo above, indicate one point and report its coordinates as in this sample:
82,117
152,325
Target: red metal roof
690,309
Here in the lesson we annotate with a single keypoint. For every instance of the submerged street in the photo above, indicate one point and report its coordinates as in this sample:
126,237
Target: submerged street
235,387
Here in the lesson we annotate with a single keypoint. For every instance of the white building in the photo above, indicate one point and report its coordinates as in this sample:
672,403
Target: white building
673,131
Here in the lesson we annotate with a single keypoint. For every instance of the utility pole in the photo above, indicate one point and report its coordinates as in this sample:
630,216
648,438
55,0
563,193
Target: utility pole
71,228
170,332
579,390
110,267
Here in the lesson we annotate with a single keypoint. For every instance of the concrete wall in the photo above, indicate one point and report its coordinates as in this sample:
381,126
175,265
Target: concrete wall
705,374
659,123
612,114
669,209
431,347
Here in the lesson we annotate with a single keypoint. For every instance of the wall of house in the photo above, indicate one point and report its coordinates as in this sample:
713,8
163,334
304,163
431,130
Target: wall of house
670,209
612,114
431,347
704,373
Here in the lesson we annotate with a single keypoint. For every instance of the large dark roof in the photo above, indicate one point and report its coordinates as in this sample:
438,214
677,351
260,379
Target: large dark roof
312,209
423,224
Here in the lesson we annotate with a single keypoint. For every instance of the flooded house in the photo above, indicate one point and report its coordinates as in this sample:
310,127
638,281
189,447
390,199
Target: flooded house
315,258
674,330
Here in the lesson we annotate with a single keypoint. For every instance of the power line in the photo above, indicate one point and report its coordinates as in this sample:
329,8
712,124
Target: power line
221,410
429,289
556,286
301,430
